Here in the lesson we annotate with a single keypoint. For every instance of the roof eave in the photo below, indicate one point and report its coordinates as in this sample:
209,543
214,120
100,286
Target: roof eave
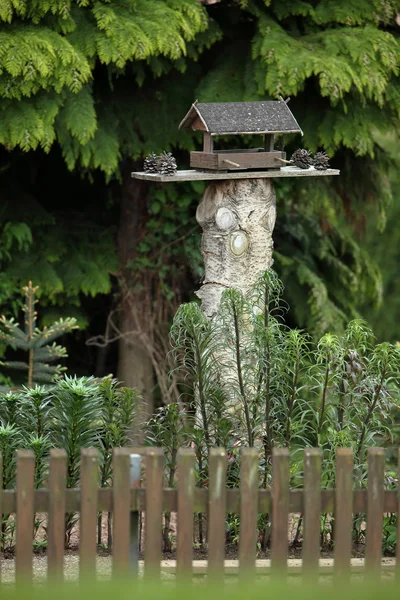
188,119
256,132
292,115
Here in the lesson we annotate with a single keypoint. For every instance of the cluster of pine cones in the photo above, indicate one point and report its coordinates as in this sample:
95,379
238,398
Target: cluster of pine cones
163,164
303,160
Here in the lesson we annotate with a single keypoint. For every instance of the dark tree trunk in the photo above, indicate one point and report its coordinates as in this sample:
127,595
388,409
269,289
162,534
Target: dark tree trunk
134,365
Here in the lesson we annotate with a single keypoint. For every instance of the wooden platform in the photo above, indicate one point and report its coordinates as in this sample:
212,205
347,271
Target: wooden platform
194,175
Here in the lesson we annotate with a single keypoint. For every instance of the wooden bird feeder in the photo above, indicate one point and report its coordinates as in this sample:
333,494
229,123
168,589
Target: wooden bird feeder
238,209
239,118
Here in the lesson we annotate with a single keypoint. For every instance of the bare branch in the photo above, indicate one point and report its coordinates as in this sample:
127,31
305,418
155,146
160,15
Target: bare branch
150,314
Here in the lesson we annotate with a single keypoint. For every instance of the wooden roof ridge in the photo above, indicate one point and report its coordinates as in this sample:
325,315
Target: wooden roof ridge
227,118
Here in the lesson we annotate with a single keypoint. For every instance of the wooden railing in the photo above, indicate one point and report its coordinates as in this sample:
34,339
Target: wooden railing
216,501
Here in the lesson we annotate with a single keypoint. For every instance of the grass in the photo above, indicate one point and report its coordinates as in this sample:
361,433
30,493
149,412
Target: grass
153,591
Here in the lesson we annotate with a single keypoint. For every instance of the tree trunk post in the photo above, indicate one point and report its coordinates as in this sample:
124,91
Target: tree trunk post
237,218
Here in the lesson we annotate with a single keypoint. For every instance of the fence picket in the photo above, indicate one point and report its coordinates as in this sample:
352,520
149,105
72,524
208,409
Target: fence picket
216,513
312,511
56,520
88,512
153,522
373,551
121,511
248,511
1,504
25,515
398,518
343,512
280,510
186,484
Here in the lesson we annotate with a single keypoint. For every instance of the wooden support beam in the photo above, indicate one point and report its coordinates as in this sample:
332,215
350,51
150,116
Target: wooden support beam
208,143
269,142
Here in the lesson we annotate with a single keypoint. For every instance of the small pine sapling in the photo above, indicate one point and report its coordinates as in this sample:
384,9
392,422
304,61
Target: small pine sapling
36,342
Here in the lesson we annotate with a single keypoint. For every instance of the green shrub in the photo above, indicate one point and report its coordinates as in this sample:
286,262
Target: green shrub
73,413
252,381
249,380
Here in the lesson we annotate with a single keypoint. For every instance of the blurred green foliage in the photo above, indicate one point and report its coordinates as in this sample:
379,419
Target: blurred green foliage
384,247
123,589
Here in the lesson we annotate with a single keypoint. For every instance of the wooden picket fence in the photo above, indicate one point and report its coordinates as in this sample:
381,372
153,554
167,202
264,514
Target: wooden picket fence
216,501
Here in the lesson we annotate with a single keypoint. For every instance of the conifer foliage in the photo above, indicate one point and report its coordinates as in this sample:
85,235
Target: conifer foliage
49,49
36,342
345,54
110,80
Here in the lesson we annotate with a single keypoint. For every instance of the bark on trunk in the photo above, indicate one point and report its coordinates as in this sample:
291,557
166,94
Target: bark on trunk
134,365
135,370
237,218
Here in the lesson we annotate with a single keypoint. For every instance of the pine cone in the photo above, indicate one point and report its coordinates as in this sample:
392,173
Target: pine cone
151,163
321,161
166,164
301,158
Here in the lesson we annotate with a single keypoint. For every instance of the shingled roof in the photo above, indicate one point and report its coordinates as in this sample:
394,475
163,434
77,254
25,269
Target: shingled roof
222,118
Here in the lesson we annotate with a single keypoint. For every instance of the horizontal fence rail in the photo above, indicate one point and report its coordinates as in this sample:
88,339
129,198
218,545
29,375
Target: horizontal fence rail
137,500
125,499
